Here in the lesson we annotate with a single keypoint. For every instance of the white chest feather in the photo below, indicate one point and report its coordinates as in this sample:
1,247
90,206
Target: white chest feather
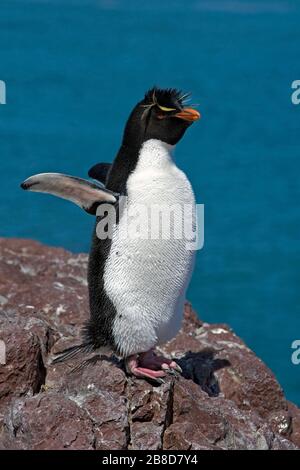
146,279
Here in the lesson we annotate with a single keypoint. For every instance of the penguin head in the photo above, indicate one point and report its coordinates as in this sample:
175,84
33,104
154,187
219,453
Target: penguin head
160,115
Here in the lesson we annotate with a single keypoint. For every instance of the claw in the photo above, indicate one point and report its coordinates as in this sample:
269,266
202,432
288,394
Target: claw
178,368
172,372
159,380
171,368
148,365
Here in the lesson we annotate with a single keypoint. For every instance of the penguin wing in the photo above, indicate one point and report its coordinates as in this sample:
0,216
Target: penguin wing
100,171
85,194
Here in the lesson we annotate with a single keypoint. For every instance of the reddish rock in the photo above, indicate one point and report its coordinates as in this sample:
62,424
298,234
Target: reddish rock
47,421
226,398
215,423
294,413
24,371
149,413
43,282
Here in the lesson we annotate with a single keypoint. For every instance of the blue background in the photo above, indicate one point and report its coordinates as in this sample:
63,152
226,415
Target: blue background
74,69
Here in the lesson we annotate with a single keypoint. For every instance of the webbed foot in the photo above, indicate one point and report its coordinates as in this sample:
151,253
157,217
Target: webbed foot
149,365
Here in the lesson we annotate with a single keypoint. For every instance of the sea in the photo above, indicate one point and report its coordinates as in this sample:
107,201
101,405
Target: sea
74,69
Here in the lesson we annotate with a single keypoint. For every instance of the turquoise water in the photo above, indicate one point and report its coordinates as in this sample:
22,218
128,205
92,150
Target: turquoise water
74,70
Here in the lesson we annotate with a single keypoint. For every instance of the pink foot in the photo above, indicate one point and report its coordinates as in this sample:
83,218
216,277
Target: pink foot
149,365
151,361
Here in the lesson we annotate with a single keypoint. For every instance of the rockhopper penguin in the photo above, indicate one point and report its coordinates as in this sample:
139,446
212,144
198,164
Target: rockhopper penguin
137,285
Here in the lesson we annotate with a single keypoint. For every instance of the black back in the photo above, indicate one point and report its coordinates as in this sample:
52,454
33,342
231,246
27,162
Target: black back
100,172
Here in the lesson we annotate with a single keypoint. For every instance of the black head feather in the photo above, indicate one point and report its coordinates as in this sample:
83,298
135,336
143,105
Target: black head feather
148,121
155,117
168,97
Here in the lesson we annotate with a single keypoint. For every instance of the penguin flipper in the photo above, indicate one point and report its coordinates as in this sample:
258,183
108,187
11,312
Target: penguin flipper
86,194
100,171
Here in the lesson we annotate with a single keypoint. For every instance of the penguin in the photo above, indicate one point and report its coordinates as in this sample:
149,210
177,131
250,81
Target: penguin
137,286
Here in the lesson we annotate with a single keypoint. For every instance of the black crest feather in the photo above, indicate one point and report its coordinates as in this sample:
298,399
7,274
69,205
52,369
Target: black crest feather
168,97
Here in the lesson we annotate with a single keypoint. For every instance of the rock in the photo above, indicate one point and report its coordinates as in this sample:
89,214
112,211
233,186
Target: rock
27,342
47,421
294,413
226,397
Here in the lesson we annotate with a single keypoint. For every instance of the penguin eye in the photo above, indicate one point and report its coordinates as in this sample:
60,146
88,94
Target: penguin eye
165,109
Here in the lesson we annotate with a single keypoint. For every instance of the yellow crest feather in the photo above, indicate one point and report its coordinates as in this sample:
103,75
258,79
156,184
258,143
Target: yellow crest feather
163,108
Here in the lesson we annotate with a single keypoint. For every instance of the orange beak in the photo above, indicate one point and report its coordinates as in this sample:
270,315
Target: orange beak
188,114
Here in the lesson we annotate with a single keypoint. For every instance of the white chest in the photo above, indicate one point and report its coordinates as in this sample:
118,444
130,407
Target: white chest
146,278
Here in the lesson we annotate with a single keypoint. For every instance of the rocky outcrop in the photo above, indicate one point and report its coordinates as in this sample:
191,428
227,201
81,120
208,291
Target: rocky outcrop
226,398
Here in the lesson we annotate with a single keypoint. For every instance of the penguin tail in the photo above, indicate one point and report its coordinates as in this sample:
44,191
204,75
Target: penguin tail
72,352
